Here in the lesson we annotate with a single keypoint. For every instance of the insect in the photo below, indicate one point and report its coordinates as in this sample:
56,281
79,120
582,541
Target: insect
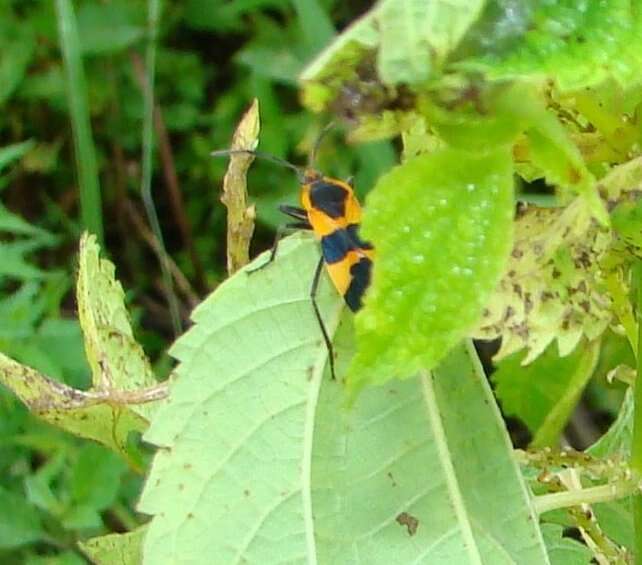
330,209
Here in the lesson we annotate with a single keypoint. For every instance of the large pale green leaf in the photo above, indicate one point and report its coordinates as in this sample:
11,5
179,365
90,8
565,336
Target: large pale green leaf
232,477
260,461
442,228
544,393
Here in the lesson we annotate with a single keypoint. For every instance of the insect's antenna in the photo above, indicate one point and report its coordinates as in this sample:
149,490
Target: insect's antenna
261,155
315,150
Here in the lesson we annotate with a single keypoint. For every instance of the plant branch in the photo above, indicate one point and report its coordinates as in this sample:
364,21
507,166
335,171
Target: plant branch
591,495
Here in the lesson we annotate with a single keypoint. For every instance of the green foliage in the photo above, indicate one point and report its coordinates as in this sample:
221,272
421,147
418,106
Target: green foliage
400,472
259,451
578,43
124,549
544,393
433,278
564,550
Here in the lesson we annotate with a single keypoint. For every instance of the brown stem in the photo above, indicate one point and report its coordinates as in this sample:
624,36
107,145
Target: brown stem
181,281
174,192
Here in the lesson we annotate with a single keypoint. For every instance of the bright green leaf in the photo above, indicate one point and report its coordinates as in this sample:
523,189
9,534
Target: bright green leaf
416,37
441,225
576,44
627,223
544,393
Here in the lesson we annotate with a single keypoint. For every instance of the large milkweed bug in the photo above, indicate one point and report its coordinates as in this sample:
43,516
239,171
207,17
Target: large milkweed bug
330,209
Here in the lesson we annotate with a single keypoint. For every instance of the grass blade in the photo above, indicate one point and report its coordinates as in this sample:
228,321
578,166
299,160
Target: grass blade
85,153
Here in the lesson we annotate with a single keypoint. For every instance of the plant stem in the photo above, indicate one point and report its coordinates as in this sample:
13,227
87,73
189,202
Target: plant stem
154,11
591,495
636,446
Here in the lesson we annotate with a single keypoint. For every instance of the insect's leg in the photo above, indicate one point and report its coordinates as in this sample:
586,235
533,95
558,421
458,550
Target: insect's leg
313,298
281,232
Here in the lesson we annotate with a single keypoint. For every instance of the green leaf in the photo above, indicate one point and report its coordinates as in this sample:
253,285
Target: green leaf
411,39
10,153
254,332
14,224
416,37
576,44
117,360
290,472
82,413
552,287
108,28
441,225
95,477
616,442
544,394
564,550
14,264
316,26
116,549
20,522
124,392
551,150
17,44
616,520
627,222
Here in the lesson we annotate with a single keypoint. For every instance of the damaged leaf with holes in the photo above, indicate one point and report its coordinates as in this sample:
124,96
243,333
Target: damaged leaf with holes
567,276
123,395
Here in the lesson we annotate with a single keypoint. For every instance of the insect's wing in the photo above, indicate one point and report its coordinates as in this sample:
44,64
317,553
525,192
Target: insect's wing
349,263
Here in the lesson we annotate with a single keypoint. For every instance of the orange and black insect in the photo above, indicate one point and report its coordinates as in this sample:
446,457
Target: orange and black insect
330,209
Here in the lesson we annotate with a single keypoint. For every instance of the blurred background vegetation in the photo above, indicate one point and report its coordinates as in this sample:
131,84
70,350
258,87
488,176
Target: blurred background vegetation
212,59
